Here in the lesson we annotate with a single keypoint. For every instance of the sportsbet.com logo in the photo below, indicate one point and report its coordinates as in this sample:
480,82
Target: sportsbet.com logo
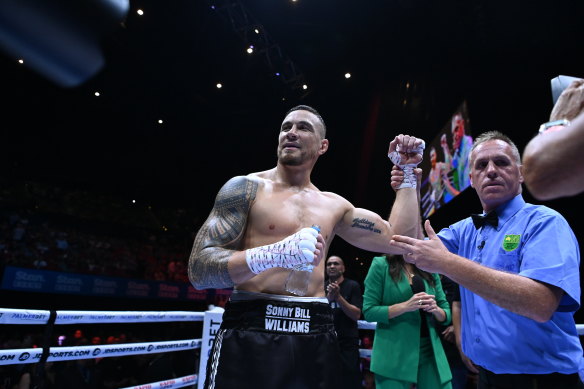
511,242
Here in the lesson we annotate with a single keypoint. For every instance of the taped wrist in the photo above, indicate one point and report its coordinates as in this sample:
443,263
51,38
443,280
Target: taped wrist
295,250
410,180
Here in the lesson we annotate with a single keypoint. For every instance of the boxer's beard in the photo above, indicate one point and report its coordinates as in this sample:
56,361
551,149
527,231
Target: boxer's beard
290,159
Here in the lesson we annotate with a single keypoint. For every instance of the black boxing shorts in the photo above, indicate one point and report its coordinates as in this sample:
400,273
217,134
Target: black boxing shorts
273,341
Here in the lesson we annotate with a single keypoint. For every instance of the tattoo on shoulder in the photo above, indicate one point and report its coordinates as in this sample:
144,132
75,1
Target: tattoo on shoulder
365,225
221,234
231,209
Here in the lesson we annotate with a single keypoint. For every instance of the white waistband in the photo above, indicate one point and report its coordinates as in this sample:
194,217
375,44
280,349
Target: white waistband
242,295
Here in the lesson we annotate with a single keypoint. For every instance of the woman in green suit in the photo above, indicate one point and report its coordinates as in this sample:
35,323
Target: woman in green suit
405,302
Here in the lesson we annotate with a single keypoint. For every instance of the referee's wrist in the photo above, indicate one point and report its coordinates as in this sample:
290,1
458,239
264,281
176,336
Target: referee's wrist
553,126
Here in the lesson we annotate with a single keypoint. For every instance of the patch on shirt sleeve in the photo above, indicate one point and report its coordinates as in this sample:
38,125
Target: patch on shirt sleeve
511,242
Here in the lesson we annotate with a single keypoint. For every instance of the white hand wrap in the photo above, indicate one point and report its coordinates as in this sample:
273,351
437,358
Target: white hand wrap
297,249
410,180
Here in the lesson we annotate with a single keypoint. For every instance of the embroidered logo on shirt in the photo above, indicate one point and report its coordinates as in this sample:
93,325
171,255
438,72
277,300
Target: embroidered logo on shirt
511,242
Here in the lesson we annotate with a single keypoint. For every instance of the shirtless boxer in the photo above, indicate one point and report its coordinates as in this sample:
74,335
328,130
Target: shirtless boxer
255,235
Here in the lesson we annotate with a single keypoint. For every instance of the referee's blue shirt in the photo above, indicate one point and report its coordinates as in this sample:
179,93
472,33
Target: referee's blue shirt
536,242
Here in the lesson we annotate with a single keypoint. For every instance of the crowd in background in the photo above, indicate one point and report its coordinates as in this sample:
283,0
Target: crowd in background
35,242
43,230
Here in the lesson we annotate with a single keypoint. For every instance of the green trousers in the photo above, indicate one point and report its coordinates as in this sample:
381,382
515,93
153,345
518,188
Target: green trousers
428,377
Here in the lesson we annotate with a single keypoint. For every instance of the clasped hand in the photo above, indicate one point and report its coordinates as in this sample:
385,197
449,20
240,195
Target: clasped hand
570,104
406,150
332,291
422,301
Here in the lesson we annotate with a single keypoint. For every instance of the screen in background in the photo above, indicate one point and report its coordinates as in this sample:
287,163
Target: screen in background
445,166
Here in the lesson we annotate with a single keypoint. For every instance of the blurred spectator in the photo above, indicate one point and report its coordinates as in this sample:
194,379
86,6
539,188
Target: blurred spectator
61,241
19,231
40,264
78,338
96,340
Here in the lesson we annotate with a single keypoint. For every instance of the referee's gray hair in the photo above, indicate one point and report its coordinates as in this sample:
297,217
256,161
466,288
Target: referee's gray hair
496,135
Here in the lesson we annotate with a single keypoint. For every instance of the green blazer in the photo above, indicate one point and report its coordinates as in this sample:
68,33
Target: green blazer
396,344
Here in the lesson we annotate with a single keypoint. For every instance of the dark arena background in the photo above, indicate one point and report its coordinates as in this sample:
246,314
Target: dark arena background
118,128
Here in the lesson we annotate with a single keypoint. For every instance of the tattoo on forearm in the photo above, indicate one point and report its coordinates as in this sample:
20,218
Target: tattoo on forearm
365,225
208,267
221,234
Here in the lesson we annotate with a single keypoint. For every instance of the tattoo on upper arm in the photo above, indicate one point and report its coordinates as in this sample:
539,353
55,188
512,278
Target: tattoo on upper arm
221,234
365,225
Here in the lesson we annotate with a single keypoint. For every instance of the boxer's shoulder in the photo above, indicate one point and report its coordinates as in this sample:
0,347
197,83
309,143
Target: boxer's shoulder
338,199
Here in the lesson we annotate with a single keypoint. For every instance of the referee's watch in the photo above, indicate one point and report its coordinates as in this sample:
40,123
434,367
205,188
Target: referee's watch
556,125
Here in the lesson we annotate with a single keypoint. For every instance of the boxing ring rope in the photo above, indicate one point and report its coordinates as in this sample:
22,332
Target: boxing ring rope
56,354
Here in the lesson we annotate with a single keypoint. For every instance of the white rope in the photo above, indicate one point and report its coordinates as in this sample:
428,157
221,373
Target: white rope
23,316
172,383
365,325
33,355
31,316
